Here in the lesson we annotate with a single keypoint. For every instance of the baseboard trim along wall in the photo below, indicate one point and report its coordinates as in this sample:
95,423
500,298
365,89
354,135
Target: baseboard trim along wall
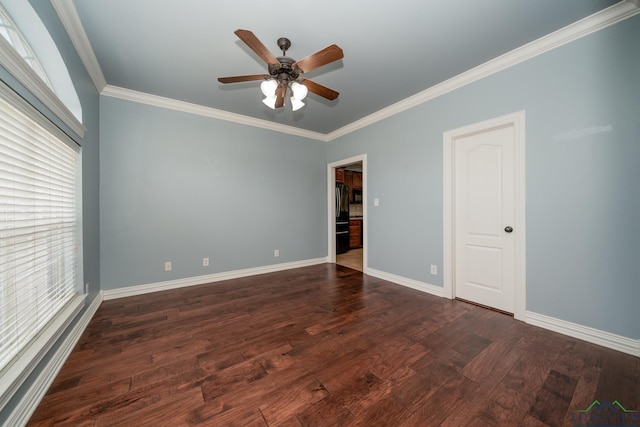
585,333
209,278
409,283
31,399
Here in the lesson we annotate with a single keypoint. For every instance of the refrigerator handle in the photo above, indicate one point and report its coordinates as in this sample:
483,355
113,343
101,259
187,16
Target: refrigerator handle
337,202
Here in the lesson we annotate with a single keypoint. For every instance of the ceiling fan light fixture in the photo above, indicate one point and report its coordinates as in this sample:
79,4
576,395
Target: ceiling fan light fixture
296,104
268,88
270,101
300,91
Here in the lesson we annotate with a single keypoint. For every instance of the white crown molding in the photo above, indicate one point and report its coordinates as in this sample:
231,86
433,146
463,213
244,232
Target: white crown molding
186,107
585,333
69,17
599,20
209,278
606,17
409,283
23,73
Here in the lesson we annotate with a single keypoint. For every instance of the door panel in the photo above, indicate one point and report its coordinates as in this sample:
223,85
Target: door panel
483,198
484,205
484,266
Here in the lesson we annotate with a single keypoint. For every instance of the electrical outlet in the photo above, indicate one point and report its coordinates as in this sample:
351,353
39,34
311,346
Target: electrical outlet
376,202
276,253
167,266
205,262
434,269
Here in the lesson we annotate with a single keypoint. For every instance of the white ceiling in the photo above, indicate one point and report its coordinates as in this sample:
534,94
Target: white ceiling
392,50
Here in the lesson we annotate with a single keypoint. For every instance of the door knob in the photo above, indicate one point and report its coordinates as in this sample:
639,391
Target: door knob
508,229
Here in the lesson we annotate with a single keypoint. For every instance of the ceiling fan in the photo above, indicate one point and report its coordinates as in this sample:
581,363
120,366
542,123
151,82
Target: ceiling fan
285,73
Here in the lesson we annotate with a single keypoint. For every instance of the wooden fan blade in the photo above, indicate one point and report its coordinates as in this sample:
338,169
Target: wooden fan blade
256,45
318,89
237,79
320,58
280,93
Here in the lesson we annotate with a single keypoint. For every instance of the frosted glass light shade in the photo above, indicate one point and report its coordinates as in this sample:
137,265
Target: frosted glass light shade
270,101
296,104
299,91
268,87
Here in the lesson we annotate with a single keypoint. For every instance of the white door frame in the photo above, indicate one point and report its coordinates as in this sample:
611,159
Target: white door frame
517,120
331,206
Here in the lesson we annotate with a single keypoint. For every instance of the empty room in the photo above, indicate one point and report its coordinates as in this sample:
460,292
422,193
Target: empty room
413,213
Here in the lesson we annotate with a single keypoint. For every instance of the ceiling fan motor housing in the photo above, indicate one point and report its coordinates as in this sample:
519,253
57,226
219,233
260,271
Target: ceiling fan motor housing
285,71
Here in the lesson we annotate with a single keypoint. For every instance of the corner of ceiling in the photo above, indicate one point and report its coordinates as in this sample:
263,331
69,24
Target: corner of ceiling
618,12
68,15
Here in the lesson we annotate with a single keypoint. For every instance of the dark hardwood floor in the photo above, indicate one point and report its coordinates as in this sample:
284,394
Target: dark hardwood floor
325,346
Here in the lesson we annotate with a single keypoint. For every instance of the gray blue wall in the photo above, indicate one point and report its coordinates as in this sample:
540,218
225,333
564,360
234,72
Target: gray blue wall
169,186
246,191
180,187
582,104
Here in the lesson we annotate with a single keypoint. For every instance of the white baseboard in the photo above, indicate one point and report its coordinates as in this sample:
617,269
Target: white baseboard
209,278
585,333
410,283
26,407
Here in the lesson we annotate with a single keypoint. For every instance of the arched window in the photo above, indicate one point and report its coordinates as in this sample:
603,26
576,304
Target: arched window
29,53
10,32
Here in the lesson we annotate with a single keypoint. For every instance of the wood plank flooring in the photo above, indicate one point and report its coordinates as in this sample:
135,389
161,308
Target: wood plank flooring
325,346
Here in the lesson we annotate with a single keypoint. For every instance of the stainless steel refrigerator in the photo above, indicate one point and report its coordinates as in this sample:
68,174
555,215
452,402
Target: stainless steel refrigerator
342,218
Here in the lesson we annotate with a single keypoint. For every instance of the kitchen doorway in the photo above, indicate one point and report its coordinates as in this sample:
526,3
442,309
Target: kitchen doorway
347,213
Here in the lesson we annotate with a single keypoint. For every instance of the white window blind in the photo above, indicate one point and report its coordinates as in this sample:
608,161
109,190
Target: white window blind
38,229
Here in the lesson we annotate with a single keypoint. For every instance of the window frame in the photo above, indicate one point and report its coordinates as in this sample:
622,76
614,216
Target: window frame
17,37
20,368
13,62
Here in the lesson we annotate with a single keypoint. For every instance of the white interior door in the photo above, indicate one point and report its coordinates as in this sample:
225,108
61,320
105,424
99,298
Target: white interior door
484,215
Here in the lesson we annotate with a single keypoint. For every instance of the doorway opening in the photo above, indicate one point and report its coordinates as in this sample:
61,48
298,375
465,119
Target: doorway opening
347,212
